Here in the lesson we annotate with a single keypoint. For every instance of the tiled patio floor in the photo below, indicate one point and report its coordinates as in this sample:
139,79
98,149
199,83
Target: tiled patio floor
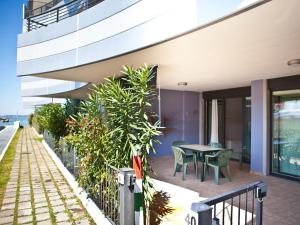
37,193
282,205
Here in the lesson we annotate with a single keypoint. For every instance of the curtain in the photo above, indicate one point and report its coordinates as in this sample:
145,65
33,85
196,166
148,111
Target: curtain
214,122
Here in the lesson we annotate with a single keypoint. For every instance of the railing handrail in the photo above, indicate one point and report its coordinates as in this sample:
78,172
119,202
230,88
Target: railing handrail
207,217
230,194
30,11
54,9
59,13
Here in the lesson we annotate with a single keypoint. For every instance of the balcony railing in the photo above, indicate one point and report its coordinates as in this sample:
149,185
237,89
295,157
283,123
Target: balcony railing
243,205
39,10
59,13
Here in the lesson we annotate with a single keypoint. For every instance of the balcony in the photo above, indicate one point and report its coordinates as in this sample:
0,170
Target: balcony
42,87
54,12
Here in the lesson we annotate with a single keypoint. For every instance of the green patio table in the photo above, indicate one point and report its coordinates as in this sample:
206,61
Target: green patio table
204,150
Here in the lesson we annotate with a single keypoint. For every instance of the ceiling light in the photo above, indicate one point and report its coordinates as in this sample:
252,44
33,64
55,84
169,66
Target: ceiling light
294,62
182,83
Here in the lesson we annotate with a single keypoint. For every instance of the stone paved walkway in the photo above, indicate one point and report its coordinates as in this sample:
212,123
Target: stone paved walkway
37,193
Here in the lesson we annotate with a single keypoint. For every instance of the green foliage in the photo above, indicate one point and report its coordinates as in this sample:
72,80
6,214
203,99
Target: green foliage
114,124
52,117
35,124
30,118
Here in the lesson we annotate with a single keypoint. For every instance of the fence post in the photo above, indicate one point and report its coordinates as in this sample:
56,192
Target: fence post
126,178
261,192
28,24
204,213
57,15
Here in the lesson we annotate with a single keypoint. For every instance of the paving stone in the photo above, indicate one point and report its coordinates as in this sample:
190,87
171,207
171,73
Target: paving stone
71,201
64,223
60,217
9,200
54,193
24,205
24,198
8,206
57,209
37,196
41,210
46,222
25,219
10,195
69,195
78,214
41,204
6,213
39,200
56,202
42,216
24,212
7,219
55,197
83,221
24,189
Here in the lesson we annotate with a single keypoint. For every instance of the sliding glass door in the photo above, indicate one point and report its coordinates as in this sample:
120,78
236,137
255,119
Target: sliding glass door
286,133
234,124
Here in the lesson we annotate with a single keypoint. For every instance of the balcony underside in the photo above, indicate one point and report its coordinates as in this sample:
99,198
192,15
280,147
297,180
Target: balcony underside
79,93
231,52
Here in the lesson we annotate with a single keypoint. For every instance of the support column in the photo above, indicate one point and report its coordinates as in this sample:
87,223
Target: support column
259,127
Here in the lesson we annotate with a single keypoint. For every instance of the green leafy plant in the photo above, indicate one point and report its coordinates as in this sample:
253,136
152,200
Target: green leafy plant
52,117
113,125
30,118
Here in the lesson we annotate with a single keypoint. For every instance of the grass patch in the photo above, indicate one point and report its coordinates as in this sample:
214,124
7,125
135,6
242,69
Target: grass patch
40,139
6,165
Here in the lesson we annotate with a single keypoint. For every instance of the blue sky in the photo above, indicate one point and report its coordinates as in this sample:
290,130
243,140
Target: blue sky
11,25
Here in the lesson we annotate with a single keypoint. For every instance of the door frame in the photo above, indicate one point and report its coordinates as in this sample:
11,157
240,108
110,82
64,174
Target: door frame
222,95
279,84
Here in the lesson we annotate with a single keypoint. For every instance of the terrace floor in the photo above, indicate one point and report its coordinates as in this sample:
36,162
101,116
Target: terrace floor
281,206
36,192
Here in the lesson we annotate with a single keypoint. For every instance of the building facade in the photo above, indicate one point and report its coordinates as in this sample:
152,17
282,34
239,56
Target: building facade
242,55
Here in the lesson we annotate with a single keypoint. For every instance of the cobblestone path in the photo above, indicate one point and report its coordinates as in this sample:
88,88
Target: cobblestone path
37,193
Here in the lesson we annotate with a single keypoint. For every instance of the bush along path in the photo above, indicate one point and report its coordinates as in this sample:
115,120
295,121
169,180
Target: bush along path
36,192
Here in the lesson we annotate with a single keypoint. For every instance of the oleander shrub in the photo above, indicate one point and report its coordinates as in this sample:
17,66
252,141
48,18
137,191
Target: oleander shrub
114,124
53,118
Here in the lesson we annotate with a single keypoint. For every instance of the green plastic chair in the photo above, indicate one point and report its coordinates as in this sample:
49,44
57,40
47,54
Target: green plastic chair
176,143
182,159
215,144
218,161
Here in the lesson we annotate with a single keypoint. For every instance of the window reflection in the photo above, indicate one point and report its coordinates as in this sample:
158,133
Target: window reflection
286,132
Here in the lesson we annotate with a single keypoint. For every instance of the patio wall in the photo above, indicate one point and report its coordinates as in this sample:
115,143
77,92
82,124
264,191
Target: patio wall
180,117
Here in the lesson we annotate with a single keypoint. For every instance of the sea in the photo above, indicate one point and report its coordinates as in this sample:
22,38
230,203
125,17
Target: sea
12,118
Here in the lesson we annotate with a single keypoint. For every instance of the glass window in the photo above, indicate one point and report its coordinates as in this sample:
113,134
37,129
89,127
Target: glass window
286,133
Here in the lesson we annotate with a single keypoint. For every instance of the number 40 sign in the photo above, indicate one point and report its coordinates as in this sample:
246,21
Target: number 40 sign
191,219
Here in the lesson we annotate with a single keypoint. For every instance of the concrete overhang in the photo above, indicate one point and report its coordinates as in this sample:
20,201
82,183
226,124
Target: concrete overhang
79,93
253,43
